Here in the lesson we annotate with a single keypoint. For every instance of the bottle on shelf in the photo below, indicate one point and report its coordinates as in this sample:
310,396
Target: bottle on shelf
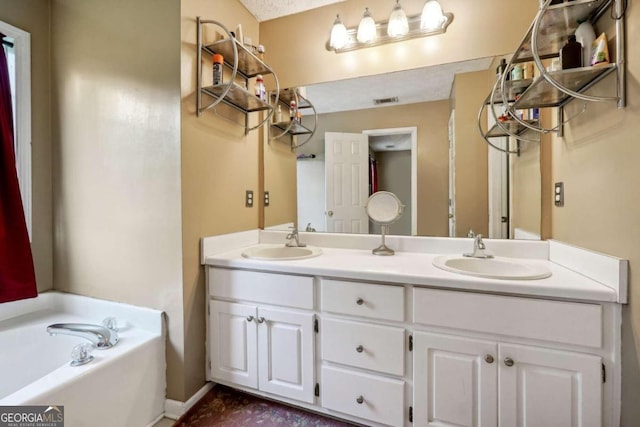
278,115
260,90
571,54
293,110
585,35
218,61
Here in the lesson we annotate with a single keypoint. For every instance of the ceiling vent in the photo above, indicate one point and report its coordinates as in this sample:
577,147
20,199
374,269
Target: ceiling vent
381,101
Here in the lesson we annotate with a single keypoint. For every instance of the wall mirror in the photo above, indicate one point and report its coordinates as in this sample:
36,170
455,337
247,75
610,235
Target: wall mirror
420,142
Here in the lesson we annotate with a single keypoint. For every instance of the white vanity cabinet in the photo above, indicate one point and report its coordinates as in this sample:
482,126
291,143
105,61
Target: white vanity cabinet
255,344
465,381
363,350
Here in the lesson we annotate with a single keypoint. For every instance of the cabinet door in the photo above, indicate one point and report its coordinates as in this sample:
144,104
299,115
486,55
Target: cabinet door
233,343
542,387
286,353
455,381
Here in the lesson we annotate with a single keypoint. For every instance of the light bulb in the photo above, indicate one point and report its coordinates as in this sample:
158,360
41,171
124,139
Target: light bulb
398,25
432,17
338,34
366,28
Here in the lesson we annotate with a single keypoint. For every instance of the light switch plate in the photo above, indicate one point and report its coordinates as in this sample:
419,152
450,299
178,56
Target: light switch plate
558,194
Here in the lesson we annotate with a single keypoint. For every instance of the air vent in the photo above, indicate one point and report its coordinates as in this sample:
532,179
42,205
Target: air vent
380,101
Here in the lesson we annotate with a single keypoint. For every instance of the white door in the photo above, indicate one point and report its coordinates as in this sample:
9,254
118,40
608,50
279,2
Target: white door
498,185
286,353
543,387
346,182
455,381
233,344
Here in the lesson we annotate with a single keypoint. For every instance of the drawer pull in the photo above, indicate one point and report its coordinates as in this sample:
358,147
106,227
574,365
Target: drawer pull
488,358
249,318
260,319
508,361
359,301
360,400
359,349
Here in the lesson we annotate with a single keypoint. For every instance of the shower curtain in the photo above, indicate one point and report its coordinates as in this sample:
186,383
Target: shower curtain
17,276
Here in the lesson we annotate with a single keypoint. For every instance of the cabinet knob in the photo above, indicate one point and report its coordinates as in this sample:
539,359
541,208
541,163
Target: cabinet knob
359,301
508,361
249,318
360,400
359,349
488,358
260,319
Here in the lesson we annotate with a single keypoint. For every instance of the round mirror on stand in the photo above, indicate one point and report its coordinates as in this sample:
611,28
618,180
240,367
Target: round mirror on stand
384,208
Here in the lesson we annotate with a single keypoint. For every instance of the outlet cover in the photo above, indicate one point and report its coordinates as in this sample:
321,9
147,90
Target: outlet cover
266,198
248,199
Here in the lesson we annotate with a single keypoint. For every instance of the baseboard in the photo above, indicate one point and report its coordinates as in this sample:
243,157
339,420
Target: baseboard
174,409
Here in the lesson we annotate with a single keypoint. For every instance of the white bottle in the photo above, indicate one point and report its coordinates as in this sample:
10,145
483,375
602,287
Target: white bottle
585,35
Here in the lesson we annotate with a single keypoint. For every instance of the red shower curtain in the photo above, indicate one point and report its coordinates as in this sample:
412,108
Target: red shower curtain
17,276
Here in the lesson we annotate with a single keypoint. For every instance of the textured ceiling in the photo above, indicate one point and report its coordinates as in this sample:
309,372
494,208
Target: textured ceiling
410,86
264,10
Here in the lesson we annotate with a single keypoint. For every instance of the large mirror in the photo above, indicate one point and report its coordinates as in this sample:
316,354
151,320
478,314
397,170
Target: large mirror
414,133
420,142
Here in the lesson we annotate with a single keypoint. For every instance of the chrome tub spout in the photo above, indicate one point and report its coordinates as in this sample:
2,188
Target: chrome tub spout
100,336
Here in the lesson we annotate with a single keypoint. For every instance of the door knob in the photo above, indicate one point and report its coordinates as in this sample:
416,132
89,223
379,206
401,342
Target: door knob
330,213
508,361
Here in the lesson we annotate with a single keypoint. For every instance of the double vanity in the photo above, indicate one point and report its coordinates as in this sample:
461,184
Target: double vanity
424,337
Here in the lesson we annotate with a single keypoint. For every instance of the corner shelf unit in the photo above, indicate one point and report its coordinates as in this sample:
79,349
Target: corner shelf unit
243,65
553,89
293,127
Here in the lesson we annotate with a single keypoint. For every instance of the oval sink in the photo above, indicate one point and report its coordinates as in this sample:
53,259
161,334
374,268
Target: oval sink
492,268
280,252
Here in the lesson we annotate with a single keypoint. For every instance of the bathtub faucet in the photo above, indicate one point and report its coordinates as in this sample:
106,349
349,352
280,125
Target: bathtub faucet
100,336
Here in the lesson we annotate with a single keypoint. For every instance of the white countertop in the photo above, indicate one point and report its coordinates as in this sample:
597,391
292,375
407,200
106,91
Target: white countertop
417,269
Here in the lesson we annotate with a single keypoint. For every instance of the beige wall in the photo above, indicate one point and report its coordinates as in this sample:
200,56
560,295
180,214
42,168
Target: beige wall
431,119
33,16
296,44
218,164
116,137
279,174
598,162
471,179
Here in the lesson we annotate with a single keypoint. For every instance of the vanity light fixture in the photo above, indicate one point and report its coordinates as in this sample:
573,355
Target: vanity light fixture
338,34
431,22
366,28
398,25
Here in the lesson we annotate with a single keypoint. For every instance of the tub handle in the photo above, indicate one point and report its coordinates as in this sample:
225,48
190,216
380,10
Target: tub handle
81,354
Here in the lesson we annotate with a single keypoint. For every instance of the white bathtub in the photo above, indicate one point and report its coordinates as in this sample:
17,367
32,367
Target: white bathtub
122,386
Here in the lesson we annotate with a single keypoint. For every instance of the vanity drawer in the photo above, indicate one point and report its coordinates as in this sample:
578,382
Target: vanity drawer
558,321
383,302
367,346
362,395
267,288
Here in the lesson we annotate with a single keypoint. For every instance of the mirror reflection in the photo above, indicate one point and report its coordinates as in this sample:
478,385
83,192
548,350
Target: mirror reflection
414,133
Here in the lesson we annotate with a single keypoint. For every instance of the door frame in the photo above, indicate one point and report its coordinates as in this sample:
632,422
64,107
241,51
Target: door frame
413,132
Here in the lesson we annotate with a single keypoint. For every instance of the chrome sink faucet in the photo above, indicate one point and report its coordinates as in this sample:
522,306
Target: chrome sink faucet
294,239
100,336
478,249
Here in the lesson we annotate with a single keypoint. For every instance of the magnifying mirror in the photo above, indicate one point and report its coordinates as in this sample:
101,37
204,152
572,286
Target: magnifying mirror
384,208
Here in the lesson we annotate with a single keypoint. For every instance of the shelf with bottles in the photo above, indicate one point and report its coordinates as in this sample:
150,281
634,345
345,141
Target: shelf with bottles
290,104
557,23
550,31
242,65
